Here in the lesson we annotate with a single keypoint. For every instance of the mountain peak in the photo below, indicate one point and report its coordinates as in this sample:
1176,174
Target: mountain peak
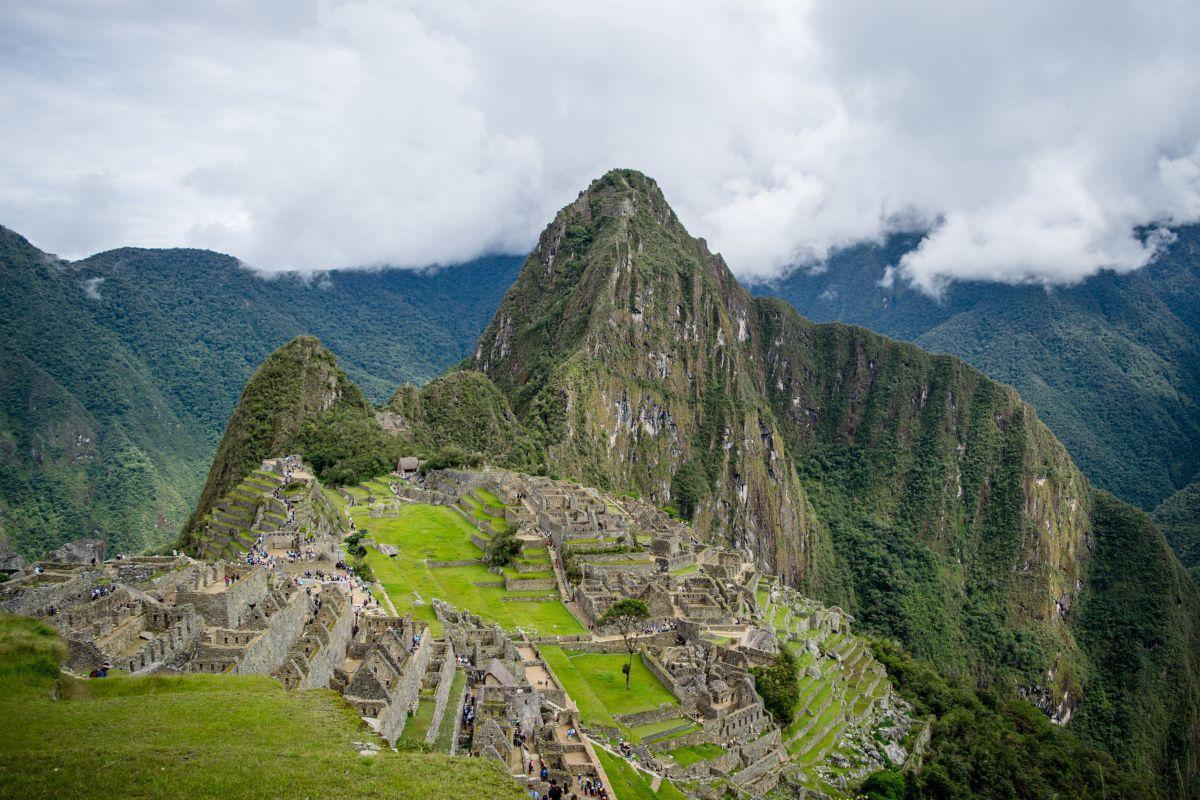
300,381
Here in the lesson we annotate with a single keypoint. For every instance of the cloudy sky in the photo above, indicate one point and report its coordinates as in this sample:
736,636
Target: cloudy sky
1031,138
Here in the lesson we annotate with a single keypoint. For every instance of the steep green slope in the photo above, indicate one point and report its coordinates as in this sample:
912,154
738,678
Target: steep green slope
925,497
90,444
196,736
1179,519
956,516
300,382
1111,365
463,410
120,371
624,346
202,322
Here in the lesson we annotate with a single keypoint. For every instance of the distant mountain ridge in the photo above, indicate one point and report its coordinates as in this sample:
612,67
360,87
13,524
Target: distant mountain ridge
120,371
1112,365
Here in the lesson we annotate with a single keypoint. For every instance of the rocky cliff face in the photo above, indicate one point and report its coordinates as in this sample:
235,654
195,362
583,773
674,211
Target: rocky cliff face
926,498
298,382
630,350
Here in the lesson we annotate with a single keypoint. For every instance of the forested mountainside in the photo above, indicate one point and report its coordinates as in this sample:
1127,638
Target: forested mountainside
923,496
119,372
89,442
1179,519
1111,365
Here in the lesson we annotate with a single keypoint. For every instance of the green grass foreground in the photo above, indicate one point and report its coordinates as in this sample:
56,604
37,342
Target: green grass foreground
597,685
630,784
196,736
424,532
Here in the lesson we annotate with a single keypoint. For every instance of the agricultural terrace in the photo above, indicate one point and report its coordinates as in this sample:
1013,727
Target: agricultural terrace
426,533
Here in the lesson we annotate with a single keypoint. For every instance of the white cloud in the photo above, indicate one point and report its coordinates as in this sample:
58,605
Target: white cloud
1034,136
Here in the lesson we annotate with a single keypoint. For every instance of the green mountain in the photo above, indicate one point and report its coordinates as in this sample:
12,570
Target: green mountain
924,497
89,443
119,372
1179,519
1112,365
300,382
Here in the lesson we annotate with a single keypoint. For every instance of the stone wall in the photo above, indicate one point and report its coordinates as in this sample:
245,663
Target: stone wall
394,716
442,696
180,628
267,651
660,714
329,657
33,594
230,607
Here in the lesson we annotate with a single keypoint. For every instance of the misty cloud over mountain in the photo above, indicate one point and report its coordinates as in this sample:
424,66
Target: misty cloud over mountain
1031,140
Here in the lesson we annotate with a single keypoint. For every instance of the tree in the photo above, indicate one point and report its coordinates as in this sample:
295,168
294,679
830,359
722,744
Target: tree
778,685
627,617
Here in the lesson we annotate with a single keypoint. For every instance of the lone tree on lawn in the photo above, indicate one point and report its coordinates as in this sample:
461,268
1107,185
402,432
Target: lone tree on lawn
626,616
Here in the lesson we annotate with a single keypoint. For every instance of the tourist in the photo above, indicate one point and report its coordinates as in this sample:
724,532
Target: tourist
554,792
533,792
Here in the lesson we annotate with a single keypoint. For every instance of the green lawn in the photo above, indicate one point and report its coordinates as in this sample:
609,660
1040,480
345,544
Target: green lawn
439,533
630,784
597,685
690,754
196,736
488,497
418,724
649,729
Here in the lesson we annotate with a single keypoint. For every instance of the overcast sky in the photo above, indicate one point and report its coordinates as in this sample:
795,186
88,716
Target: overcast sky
1030,137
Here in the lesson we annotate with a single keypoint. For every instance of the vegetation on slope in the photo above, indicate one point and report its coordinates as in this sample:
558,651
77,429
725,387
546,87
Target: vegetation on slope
118,373
1179,519
195,736
300,382
89,444
986,745
1111,365
463,411
1138,621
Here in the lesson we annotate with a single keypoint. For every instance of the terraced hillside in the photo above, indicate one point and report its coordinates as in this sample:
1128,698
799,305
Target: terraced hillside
844,691
422,551
230,528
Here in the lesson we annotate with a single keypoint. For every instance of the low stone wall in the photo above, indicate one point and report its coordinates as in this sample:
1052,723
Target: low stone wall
419,495
442,696
661,714
660,672
528,584
466,562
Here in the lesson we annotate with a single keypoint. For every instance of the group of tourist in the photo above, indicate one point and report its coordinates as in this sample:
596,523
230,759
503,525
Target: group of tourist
101,591
468,712
592,787
662,627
